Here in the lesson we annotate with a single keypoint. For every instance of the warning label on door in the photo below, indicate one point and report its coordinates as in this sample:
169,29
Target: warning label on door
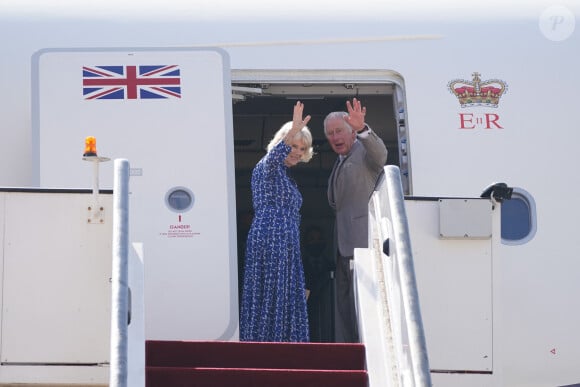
179,231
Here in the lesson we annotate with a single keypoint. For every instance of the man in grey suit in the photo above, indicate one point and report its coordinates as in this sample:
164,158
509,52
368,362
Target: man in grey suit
361,158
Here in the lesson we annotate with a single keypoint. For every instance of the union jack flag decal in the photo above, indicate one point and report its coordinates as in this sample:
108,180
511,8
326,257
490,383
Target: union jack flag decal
131,82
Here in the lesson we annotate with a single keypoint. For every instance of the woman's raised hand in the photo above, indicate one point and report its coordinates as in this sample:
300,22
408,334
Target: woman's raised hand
297,121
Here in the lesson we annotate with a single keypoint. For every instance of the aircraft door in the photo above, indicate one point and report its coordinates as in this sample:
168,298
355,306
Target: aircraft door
168,112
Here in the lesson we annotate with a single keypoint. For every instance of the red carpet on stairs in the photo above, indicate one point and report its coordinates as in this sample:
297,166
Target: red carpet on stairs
243,364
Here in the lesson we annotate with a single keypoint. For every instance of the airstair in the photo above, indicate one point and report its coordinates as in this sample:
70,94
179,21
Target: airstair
393,342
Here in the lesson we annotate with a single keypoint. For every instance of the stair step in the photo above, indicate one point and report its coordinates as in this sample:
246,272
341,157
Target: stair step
229,354
251,377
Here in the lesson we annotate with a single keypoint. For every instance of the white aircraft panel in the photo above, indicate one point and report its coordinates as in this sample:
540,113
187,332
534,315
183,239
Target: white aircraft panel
454,280
56,283
182,142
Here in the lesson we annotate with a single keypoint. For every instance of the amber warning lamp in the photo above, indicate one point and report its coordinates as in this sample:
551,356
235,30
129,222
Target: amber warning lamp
90,146
95,209
90,153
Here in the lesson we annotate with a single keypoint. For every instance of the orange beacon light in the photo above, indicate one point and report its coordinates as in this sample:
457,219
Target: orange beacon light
90,146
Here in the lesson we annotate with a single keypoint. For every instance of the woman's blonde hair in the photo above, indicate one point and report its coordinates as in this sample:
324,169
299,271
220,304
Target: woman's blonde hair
303,135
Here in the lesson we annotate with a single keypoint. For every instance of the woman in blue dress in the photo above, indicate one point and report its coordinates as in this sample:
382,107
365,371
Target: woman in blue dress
273,304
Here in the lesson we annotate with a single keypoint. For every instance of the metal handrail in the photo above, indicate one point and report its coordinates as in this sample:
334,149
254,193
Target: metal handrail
387,292
120,306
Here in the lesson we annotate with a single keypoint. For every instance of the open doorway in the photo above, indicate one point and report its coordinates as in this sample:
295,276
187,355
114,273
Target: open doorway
262,102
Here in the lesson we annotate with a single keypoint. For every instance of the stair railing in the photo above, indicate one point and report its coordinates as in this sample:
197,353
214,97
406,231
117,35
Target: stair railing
120,306
388,309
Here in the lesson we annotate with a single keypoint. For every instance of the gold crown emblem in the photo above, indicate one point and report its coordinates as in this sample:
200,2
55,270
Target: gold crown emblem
476,92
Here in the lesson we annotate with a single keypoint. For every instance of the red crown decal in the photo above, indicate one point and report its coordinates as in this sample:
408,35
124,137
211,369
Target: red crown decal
476,92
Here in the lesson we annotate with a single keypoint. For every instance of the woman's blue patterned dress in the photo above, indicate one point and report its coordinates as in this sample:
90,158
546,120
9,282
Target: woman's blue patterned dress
273,299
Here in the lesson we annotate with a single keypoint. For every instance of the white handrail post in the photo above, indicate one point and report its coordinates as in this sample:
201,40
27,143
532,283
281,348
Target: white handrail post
120,276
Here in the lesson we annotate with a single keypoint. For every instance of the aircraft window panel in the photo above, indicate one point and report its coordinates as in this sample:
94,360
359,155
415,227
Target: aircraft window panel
518,218
179,199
